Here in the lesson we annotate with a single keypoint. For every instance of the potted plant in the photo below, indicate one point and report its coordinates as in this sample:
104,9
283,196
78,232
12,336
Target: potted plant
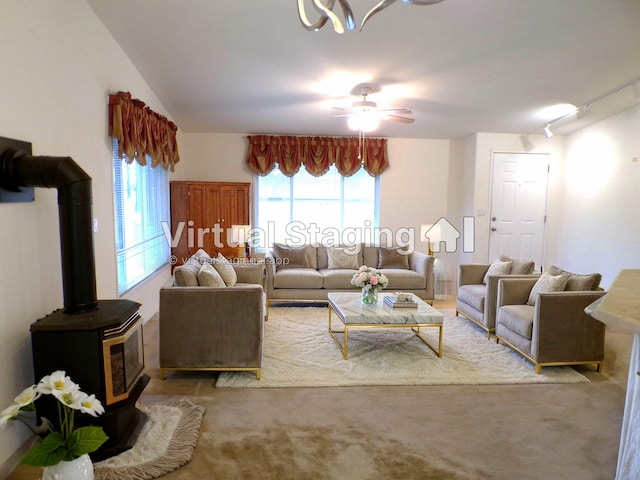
67,446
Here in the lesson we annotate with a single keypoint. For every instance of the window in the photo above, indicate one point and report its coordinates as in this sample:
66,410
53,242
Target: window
141,200
307,209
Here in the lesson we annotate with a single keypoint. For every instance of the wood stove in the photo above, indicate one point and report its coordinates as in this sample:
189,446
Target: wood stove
98,343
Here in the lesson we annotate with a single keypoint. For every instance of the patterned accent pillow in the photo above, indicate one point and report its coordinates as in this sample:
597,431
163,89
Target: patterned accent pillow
393,258
209,276
226,271
498,268
345,257
290,257
547,283
201,256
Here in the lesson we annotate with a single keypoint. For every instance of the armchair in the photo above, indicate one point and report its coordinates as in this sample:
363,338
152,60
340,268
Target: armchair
213,328
476,300
554,331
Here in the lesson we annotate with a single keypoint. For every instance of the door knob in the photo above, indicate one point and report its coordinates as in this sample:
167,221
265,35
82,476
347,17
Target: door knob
493,229
493,219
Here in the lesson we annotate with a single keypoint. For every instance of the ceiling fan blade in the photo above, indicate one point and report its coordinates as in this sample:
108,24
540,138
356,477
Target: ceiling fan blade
396,118
402,111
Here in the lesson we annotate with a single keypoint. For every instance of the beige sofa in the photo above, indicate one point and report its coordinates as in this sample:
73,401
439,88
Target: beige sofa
309,272
216,328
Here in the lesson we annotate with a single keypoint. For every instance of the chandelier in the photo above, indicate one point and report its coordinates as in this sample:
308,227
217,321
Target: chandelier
326,13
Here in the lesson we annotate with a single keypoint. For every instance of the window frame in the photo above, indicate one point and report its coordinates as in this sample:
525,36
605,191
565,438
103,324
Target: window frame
266,242
152,243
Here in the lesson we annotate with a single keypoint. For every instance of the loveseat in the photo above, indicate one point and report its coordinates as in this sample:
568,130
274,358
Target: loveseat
309,272
212,322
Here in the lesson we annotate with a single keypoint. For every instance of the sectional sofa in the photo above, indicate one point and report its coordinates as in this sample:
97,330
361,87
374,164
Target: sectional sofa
309,272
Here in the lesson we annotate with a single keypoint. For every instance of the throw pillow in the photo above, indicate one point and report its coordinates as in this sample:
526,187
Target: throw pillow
290,257
201,256
393,258
578,282
519,267
186,275
209,276
226,270
498,268
342,258
547,283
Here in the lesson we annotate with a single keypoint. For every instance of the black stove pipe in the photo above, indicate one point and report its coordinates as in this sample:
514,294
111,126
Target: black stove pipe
74,209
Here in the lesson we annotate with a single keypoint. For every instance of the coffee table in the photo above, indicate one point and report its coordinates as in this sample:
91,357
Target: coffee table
354,314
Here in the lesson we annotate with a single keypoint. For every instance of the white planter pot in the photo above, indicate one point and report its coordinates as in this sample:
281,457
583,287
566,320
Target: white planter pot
79,469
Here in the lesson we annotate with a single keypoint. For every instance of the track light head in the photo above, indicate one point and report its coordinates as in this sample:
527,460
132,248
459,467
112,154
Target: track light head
547,131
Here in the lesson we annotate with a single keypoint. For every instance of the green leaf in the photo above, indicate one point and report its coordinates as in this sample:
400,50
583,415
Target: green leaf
86,440
49,451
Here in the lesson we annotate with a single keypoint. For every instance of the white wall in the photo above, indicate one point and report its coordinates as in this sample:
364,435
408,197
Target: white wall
598,219
59,64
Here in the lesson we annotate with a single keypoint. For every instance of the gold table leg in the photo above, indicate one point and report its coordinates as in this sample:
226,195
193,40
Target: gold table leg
344,347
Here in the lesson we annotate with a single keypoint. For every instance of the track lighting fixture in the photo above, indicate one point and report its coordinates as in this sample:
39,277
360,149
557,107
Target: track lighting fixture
584,108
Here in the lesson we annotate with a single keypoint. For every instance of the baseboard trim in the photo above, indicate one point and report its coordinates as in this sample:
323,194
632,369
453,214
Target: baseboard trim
11,463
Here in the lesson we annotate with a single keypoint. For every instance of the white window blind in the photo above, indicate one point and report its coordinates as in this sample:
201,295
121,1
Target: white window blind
141,201
318,207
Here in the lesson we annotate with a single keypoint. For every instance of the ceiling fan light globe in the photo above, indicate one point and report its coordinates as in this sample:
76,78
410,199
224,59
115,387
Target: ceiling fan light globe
363,122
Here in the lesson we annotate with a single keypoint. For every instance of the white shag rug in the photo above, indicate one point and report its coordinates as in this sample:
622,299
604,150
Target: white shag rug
299,352
165,443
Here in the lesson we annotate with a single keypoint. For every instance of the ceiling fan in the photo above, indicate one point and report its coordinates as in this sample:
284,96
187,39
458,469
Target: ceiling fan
364,115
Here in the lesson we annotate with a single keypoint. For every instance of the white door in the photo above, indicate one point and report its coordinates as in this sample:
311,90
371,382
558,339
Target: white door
518,206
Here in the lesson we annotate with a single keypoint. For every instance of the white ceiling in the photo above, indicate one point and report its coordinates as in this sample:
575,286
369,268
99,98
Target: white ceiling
461,66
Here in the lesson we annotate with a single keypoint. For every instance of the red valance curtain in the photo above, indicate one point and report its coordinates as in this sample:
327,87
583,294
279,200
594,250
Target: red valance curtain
317,154
141,132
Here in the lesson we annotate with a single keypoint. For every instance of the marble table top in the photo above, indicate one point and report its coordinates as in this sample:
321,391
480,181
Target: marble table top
351,310
620,307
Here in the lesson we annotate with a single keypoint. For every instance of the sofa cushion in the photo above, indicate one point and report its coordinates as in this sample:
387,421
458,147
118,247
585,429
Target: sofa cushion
225,269
498,267
578,282
519,267
187,275
370,256
547,283
337,278
323,257
290,257
473,295
393,258
209,276
297,278
342,257
401,279
518,318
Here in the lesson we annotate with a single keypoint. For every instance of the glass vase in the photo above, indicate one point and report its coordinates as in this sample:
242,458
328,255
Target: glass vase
80,468
370,296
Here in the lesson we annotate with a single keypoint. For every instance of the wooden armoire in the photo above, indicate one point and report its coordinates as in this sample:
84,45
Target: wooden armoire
205,205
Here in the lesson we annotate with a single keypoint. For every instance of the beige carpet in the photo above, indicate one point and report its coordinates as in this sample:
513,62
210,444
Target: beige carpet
299,352
165,443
